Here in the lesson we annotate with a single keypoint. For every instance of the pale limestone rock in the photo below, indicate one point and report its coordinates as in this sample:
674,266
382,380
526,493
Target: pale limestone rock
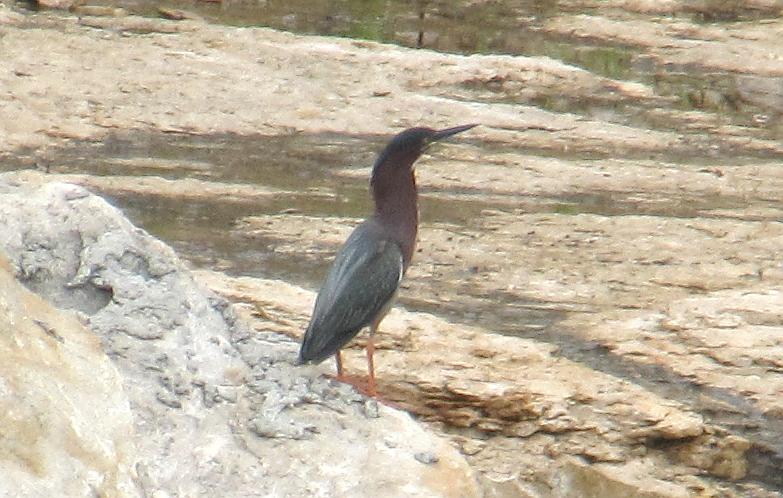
738,48
8,16
672,425
723,455
152,70
514,388
99,10
56,4
65,417
214,406
579,480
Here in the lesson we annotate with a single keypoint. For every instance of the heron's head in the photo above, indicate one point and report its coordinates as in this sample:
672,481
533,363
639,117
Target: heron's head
407,146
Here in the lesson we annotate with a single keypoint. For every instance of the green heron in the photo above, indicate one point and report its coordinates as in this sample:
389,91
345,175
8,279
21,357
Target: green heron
367,271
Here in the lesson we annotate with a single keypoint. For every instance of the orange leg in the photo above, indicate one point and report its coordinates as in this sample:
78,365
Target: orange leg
371,388
339,360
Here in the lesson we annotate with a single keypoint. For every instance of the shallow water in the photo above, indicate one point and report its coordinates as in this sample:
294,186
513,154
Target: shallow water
305,168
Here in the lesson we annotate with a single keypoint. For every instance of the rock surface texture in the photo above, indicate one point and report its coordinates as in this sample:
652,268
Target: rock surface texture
216,410
64,416
510,402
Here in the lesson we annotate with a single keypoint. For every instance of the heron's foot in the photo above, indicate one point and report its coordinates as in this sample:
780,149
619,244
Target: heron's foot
361,384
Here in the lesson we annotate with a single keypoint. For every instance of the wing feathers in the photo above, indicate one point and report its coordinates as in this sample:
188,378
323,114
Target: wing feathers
361,284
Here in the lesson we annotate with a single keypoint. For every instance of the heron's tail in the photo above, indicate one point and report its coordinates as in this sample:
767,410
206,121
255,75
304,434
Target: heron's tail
309,350
317,345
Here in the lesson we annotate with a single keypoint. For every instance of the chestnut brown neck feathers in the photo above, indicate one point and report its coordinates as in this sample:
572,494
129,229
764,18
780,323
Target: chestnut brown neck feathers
393,185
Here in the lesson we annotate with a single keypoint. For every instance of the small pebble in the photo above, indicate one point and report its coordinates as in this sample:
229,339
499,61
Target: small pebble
371,409
426,457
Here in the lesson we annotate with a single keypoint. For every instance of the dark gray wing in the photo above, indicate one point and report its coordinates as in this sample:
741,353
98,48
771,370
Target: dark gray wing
361,283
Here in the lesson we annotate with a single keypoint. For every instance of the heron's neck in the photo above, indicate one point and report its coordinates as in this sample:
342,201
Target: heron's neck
396,208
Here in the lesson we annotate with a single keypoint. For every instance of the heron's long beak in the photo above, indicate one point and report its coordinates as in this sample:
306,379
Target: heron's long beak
441,134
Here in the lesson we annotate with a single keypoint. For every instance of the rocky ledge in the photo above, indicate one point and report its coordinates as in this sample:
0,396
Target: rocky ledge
144,383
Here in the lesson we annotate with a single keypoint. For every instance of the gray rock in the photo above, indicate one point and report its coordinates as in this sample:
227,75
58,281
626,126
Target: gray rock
218,410
426,457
